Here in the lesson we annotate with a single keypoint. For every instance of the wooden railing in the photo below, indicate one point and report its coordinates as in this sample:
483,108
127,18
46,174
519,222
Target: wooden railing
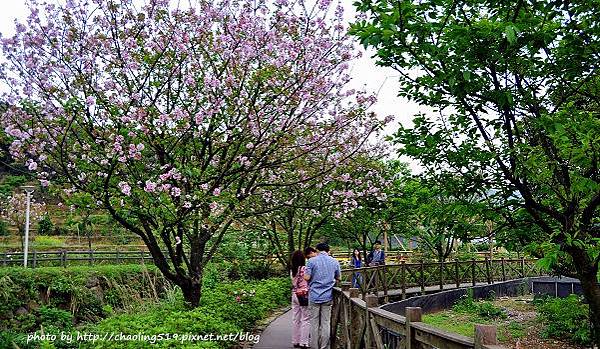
358,323
407,276
133,254
65,258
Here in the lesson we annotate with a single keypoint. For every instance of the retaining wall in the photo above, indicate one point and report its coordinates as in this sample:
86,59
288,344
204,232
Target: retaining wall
556,287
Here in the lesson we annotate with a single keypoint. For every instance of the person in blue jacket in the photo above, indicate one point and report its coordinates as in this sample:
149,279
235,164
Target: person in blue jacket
377,255
356,262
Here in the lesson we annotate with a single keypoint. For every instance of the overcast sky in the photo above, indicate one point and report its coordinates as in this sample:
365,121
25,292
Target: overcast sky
364,71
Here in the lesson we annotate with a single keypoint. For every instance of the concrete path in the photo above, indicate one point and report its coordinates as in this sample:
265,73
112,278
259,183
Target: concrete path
278,335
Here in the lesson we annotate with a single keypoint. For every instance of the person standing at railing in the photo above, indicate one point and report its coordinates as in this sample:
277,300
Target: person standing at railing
376,256
300,311
322,272
356,262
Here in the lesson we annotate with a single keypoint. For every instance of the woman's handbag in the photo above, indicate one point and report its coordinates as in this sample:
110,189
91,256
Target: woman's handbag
302,299
301,291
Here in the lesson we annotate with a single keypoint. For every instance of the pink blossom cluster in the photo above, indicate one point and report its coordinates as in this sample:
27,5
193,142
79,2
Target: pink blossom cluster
13,210
179,113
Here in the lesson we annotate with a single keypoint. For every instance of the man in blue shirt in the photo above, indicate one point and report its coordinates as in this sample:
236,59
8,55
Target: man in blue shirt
377,256
321,272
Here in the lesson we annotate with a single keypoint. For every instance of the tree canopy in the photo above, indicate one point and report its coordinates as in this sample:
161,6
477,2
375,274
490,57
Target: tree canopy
514,87
171,118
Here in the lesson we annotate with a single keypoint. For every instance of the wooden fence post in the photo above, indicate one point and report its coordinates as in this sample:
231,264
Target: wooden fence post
484,335
473,271
442,274
118,256
355,334
503,269
412,315
4,259
456,273
372,336
385,285
422,277
366,281
64,258
487,270
34,258
403,278
346,340
523,267
335,317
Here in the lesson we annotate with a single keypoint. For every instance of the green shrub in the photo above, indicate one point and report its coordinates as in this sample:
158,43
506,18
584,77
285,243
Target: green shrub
45,226
565,318
466,304
484,309
4,228
225,307
74,290
57,231
56,318
220,312
9,183
490,311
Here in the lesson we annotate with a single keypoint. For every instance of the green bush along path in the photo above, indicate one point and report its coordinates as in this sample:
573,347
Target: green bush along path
127,300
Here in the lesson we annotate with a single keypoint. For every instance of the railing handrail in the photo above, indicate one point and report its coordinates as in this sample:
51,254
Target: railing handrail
375,317
424,275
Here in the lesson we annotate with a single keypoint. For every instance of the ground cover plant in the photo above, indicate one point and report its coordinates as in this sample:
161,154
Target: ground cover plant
128,298
227,307
565,318
521,321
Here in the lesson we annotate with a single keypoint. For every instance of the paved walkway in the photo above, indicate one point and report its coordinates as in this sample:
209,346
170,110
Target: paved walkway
278,335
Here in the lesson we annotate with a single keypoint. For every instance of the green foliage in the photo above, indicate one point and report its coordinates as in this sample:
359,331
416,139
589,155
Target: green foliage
241,255
533,156
58,318
45,226
220,312
565,318
9,183
4,228
225,308
74,289
484,309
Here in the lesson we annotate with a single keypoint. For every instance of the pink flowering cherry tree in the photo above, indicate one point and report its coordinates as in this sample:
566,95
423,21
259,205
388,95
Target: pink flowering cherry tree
291,219
13,211
171,118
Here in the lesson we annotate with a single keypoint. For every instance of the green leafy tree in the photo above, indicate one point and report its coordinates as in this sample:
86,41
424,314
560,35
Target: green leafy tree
81,206
515,89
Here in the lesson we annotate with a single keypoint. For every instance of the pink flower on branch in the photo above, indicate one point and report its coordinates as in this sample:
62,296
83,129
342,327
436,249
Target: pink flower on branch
185,101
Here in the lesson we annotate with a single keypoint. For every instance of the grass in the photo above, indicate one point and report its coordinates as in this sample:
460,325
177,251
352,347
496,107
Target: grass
467,313
457,323
464,324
